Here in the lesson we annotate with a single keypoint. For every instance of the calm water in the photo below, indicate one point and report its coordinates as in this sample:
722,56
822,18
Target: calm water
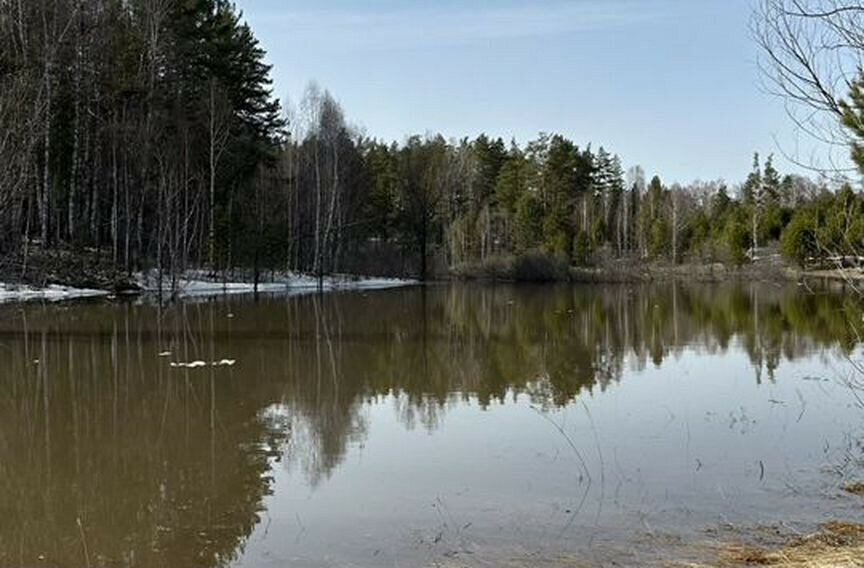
451,426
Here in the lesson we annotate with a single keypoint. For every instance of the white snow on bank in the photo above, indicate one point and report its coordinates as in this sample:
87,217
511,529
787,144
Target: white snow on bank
197,283
53,293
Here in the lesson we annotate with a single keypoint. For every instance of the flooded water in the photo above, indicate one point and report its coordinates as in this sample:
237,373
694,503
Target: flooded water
446,426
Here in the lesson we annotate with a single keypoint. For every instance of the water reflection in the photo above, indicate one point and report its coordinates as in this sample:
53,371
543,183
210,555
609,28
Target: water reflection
111,456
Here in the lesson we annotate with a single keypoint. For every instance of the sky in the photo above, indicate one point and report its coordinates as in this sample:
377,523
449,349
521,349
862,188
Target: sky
672,85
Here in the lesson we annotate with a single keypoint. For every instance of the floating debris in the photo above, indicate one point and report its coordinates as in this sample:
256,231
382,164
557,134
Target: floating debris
816,379
200,364
165,354
192,365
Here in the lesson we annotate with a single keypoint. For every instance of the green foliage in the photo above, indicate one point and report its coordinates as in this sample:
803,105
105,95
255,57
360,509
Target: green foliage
841,229
582,249
563,176
534,266
832,225
511,182
772,222
420,194
752,188
162,142
658,237
720,202
491,156
529,222
736,238
175,96
799,242
653,226
699,235
382,177
853,119
557,232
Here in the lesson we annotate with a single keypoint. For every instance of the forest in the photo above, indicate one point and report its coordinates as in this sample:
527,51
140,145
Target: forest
145,134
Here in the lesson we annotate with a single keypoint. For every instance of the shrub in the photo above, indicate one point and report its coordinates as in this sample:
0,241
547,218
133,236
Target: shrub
493,268
534,266
737,239
798,242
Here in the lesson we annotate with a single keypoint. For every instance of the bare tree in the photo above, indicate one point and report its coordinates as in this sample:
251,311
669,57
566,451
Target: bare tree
680,203
332,130
218,119
812,50
311,109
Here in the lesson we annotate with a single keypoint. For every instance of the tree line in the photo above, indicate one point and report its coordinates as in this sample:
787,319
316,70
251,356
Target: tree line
145,133
460,205
133,128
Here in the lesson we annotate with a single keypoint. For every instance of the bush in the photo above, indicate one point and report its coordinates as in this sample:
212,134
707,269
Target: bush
798,242
582,248
534,266
737,239
493,268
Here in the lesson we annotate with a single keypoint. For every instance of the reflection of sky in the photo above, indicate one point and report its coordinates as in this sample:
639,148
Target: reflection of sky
666,372
669,84
669,448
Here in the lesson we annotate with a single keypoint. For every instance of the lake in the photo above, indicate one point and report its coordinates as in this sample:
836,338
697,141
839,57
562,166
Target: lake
452,425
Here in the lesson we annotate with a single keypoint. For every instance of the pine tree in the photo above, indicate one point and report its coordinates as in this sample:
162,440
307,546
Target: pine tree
528,225
853,119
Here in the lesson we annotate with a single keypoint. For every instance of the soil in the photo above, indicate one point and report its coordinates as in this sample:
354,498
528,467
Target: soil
837,544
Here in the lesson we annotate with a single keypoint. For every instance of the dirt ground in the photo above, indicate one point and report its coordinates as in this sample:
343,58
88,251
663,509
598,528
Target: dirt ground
837,544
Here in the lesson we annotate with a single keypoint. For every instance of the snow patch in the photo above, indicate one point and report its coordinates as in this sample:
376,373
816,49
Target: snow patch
199,283
52,293
190,365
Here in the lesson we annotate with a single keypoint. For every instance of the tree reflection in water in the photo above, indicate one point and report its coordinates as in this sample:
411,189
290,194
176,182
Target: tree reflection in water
111,456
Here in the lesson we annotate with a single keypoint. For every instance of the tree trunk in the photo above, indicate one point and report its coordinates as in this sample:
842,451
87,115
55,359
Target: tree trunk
72,205
211,206
317,262
45,196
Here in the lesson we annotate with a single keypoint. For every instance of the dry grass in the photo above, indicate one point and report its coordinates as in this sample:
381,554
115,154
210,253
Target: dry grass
856,487
837,544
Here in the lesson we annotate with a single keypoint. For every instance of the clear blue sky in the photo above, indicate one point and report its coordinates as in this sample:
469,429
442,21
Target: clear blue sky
672,85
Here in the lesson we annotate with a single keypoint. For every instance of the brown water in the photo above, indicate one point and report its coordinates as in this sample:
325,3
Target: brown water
456,426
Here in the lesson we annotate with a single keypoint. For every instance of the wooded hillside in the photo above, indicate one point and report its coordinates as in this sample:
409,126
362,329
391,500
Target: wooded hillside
146,133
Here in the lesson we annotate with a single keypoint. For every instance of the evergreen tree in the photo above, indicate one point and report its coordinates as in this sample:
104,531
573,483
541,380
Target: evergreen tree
653,227
853,119
146,131
560,185
528,227
799,242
